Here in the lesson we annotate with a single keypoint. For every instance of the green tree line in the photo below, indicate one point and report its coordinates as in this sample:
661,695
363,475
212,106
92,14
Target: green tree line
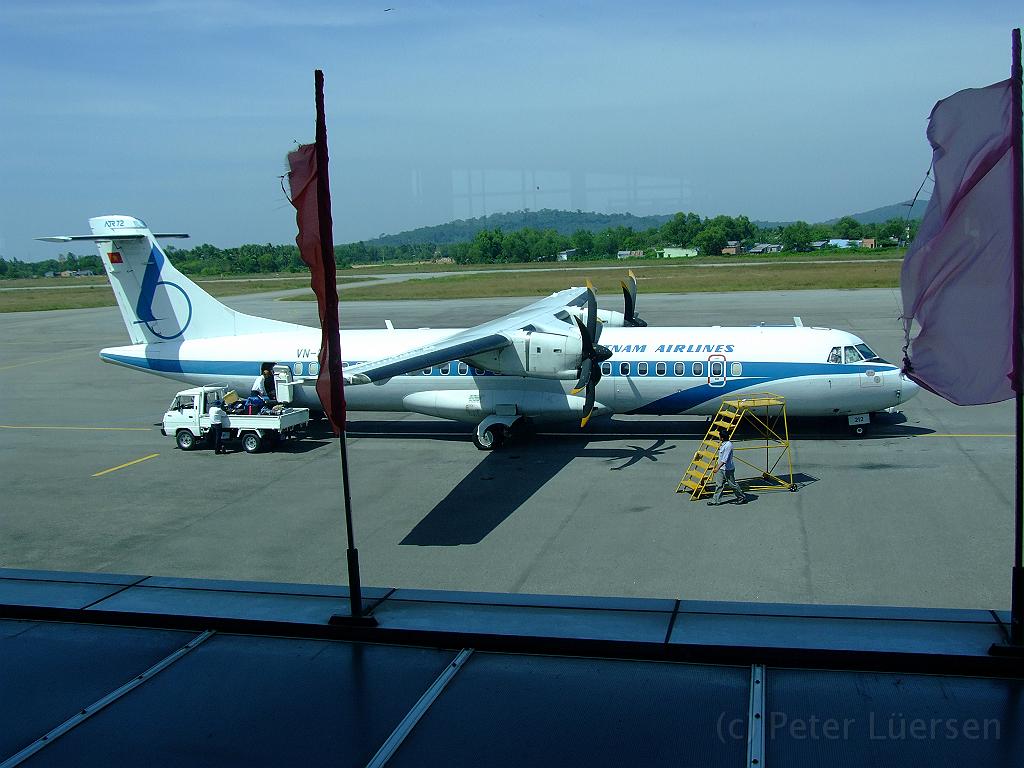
496,246
13,268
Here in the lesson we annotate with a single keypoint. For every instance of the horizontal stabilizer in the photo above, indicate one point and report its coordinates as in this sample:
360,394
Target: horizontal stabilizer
157,302
94,238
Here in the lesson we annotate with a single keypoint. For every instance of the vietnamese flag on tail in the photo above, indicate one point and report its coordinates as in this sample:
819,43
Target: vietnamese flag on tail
959,276
311,196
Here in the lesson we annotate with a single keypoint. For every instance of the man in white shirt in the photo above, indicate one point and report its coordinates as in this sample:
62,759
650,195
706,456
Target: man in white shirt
726,474
264,386
217,426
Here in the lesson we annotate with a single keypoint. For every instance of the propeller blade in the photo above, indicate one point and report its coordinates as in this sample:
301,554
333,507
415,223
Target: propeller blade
586,370
588,405
588,340
591,312
629,300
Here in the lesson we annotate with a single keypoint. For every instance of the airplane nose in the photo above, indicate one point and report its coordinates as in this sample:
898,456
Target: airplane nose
908,388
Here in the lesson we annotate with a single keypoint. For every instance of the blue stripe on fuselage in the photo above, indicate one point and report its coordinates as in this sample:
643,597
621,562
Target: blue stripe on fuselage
175,365
754,374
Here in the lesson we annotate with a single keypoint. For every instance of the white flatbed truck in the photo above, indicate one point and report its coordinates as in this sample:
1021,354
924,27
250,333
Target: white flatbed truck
188,420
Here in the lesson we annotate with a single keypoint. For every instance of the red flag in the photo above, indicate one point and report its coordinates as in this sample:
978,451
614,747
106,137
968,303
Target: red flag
957,278
311,196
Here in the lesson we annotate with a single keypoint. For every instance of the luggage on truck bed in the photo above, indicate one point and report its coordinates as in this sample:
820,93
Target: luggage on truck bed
254,404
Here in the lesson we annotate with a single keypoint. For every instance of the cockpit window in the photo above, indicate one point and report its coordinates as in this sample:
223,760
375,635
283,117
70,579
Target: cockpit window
836,355
868,353
851,355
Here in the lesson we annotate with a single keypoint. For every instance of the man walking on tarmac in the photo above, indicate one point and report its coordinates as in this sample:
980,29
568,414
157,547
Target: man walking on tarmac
726,474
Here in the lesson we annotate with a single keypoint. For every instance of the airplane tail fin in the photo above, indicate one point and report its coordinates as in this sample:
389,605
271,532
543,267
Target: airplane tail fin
157,302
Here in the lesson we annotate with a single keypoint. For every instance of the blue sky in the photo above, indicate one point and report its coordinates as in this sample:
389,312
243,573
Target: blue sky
181,112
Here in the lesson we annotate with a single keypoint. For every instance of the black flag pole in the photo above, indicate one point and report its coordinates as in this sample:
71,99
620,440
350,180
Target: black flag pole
1017,201
334,354
1015,646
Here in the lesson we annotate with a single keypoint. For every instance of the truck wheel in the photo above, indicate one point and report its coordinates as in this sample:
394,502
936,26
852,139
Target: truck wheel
185,439
252,443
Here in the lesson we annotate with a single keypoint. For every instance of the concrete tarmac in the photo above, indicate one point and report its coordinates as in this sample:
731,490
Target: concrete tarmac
918,512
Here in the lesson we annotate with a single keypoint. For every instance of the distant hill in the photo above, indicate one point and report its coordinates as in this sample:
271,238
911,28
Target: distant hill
568,222
564,222
882,215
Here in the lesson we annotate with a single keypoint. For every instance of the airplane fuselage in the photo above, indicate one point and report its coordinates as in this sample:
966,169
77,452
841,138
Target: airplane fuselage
660,371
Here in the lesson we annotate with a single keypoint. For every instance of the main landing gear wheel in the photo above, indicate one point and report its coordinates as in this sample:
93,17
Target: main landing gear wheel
185,439
491,438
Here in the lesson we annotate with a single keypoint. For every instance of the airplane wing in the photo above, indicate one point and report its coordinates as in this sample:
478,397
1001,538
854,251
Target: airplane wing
546,314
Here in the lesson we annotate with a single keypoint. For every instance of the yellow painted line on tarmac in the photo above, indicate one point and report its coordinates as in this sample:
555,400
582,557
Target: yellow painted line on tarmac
89,429
126,464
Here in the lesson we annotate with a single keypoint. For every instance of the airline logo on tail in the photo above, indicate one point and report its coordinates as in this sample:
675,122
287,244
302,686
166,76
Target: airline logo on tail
166,312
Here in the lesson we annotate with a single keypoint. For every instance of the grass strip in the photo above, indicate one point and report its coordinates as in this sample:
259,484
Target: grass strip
768,277
37,298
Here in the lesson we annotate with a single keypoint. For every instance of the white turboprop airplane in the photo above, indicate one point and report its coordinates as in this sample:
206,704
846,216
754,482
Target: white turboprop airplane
532,364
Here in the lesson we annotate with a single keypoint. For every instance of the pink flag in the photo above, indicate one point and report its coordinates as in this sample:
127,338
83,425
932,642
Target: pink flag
957,278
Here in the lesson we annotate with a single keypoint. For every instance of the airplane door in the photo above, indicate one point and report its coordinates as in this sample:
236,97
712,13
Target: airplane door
626,396
716,371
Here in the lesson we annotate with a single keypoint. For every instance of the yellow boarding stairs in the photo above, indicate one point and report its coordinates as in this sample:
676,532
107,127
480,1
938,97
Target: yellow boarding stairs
766,414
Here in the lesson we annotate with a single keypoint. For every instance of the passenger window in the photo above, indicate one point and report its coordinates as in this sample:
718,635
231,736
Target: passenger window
735,370
852,355
606,369
698,369
624,369
427,371
314,369
679,369
297,369
463,369
641,369
661,369
717,368
835,356
446,369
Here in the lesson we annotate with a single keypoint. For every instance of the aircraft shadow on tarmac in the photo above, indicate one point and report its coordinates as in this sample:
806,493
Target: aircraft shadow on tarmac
505,480
883,426
304,445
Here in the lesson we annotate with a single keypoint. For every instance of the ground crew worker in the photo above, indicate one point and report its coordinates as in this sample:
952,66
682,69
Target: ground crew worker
264,387
259,387
217,426
726,474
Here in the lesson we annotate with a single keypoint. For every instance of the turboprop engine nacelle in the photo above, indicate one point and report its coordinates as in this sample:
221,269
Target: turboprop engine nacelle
471,407
604,316
611,318
532,353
